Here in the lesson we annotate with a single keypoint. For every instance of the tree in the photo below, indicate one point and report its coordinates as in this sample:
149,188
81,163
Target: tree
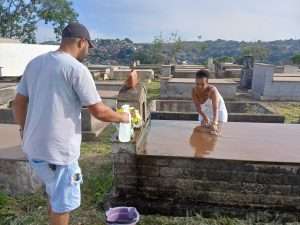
225,59
19,18
143,55
296,59
153,53
157,56
201,46
177,45
128,40
256,50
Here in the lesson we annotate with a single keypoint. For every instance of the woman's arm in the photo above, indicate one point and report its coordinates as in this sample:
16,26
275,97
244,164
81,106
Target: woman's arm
199,110
215,104
198,106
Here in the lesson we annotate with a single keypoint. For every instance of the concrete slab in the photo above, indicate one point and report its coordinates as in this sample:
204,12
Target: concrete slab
108,93
286,75
95,132
143,75
109,97
10,144
257,142
110,85
211,81
110,82
181,88
6,84
7,93
16,175
253,112
286,78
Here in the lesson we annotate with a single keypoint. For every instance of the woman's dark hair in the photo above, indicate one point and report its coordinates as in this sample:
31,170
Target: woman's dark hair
202,74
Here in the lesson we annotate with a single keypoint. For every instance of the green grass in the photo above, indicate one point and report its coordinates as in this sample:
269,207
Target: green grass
291,110
153,90
102,146
24,209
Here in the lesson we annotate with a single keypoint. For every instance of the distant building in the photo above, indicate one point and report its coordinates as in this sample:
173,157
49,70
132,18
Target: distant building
14,56
9,40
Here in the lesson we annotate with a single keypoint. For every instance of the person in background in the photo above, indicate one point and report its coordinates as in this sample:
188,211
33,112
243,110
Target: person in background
132,80
208,102
47,107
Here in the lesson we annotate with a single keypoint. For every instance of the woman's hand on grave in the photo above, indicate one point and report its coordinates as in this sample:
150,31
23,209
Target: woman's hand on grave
205,122
214,127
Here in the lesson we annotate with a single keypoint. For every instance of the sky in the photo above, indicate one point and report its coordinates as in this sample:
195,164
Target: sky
141,20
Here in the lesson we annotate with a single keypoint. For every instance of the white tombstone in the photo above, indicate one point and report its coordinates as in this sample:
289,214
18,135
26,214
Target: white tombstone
211,65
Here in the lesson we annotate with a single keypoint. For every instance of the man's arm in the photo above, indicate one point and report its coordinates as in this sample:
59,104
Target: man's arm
20,110
106,114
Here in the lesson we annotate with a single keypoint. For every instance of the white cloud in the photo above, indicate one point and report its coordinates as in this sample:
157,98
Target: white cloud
239,20
141,20
96,34
45,33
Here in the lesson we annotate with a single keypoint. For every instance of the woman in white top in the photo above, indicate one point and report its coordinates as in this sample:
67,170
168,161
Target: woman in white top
208,101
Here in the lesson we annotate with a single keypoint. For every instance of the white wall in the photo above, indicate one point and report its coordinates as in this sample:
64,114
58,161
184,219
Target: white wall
262,73
264,87
291,69
15,56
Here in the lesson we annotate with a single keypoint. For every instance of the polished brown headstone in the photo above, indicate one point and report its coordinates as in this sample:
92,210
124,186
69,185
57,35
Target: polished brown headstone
238,141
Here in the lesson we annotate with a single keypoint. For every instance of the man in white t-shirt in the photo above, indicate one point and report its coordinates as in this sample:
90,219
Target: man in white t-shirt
47,107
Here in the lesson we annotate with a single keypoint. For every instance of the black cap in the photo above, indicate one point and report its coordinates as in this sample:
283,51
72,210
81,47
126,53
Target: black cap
77,30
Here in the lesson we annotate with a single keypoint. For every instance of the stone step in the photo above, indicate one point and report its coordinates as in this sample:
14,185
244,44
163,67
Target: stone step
95,132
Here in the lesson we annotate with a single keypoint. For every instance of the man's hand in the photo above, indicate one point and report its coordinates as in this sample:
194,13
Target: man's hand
124,117
106,114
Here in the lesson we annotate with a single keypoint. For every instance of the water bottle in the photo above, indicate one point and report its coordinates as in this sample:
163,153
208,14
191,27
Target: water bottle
125,128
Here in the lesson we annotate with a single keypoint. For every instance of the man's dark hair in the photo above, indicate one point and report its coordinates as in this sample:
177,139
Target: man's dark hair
202,74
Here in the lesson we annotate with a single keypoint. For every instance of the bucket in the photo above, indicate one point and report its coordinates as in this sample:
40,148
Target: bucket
122,216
